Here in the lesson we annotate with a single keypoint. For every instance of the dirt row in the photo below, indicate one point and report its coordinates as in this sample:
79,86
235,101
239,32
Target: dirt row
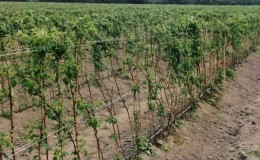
228,131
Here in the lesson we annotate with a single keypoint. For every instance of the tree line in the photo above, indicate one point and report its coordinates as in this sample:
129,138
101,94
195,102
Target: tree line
202,2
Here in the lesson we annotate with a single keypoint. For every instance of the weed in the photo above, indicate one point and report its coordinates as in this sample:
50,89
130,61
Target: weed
165,147
230,73
5,114
144,145
192,113
178,123
255,152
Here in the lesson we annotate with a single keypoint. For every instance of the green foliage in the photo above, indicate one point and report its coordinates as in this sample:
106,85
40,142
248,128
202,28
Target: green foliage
135,88
5,114
32,134
59,154
152,105
72,48
94,80
55,111
113,137
143,145
154,89
230,73
178,123
93,122
161,110
255,152
165,147
112,120
118,157
82,146
3,94
13,81
5,141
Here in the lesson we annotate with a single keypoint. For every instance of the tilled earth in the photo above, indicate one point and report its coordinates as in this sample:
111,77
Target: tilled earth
228,131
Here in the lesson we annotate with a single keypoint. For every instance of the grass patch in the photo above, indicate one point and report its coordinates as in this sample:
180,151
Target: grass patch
230,73
178,123
254,152
5,114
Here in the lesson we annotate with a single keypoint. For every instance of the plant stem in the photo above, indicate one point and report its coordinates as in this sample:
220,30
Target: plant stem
11,110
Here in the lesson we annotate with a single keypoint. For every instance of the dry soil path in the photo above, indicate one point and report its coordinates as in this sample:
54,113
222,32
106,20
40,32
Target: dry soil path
230,131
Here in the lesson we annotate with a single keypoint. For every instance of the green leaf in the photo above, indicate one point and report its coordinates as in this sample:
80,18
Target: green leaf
93,122
13,82
80,105
85,152
30,149
5,155
112,120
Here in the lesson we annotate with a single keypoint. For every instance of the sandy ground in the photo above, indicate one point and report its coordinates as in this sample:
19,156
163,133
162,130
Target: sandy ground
229,131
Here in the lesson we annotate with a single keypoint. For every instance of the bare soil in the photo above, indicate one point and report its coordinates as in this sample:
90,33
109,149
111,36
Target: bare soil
108,146
228,131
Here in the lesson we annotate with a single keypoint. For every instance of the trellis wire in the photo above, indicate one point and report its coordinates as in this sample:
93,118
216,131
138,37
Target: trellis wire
30,50
27,50
25,147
